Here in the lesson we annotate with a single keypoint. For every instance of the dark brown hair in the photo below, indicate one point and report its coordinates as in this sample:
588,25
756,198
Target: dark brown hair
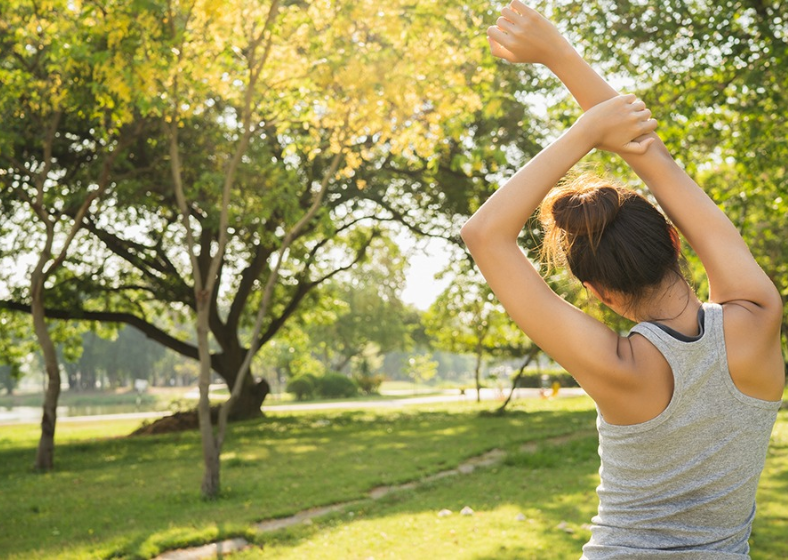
609,236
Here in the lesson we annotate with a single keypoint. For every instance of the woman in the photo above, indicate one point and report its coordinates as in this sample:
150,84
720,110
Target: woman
688,399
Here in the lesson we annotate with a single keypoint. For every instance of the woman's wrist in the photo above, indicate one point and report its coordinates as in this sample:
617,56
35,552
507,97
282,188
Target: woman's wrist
586,86
563,57
582,135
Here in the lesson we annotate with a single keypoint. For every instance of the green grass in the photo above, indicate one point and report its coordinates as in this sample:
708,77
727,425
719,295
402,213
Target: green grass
116,497
552,488
407,525
91,398
288,399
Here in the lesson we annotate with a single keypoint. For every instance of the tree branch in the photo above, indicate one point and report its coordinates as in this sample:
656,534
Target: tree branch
149,330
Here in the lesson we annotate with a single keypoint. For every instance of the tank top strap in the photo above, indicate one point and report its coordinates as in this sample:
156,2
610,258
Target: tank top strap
668,339
681,350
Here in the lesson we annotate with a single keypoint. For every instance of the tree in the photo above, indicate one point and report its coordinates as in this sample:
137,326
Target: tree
57,85
114,357
261,45
365,309
466,318
408,143
421,368
533,352
15,345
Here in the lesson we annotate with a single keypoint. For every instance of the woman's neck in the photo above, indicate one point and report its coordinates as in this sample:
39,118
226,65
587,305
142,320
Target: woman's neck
675,305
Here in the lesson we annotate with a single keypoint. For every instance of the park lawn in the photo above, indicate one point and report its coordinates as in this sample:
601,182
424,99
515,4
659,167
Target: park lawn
553,489
554,494
133,498
88,398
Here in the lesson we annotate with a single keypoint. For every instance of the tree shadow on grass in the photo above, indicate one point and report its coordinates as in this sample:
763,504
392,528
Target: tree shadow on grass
552,489
555,501
128,490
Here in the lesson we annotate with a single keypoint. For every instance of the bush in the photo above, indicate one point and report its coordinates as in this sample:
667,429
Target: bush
303,386
534,380
370,384
336,385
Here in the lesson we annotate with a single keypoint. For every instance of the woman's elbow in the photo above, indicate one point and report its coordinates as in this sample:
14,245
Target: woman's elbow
772,301
472,233
467,231
479,234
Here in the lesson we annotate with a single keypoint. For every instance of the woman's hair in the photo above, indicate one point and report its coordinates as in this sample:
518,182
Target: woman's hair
609,236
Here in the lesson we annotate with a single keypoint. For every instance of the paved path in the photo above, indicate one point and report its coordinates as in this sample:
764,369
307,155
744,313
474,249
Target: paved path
272,406
451,396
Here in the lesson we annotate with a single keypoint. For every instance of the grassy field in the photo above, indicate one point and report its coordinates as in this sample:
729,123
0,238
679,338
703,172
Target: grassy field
88,398
116,497
175,398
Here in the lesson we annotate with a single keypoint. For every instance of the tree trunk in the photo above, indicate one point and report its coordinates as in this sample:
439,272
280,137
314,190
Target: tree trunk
88,378
211,484
477,372
45,456
250,401
528,358
247,406
72,375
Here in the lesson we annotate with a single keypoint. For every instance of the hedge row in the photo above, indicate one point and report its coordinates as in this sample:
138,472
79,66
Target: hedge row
328,386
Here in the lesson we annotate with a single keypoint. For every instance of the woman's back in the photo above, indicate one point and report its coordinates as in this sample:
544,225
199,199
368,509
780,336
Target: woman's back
682,485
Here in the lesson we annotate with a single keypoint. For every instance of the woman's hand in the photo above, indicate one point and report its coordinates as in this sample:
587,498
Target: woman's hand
619,125
521,34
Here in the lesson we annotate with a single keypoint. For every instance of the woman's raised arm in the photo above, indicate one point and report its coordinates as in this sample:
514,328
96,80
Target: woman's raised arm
523,35
491,236
753,306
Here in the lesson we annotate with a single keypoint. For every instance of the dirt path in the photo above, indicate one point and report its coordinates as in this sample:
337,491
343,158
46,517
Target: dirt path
488,459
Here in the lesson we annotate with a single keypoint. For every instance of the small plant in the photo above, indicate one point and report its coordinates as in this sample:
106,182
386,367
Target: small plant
336,385
421,368
369,384
303,386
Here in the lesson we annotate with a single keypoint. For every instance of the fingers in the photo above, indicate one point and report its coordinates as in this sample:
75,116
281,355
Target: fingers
650,125
511,15
497,35
505,24
638,147
519,7
498,50
642,114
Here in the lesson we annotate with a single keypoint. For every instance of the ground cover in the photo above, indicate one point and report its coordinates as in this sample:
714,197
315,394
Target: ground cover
88,398
535,506
182,398
133,498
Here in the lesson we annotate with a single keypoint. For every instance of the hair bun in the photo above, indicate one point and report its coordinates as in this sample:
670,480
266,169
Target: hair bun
586,211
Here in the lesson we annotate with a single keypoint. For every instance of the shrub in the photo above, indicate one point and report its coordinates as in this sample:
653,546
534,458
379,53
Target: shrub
370,384
303,386
534,380
336,385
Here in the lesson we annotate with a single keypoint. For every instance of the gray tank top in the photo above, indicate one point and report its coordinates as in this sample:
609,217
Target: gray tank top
682,485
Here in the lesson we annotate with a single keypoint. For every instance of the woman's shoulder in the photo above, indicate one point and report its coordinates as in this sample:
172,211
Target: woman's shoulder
753,348
644,385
